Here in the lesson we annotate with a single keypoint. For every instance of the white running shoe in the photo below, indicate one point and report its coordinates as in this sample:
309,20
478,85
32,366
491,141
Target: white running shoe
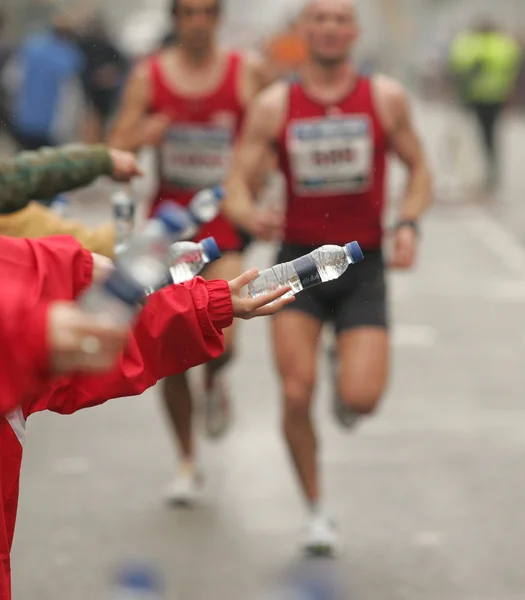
185,490
321,538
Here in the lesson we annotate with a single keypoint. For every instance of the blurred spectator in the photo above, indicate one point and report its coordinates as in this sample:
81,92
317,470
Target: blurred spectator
104,73
47,67
5,51
485,63
48,172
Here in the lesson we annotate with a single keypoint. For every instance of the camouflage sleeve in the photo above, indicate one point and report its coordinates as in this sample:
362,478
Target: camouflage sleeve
43,174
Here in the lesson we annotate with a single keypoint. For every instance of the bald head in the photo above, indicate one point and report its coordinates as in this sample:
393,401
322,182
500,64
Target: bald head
330,29
348,5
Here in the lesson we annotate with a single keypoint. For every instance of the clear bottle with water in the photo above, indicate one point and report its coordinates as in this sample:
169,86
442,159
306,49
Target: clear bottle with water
188,259
142,265
321,265
138,582
123,205
203,208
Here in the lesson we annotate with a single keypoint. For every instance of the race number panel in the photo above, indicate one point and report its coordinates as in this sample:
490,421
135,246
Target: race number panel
195,157
331,155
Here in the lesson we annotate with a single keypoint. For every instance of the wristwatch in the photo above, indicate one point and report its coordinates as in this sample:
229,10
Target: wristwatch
408,223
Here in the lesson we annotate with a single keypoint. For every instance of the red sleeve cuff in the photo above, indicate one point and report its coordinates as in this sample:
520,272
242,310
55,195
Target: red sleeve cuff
220,305
84,275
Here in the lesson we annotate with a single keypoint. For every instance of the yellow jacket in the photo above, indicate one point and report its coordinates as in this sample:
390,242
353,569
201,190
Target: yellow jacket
486,66
36,221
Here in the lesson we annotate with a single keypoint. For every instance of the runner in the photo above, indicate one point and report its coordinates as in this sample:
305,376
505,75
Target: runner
189,101
332,130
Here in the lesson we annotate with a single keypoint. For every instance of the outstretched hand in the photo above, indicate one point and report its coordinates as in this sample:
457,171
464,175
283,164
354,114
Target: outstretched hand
263,306
125,166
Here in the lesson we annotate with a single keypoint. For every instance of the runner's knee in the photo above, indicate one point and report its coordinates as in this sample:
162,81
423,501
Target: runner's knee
298,392
363,398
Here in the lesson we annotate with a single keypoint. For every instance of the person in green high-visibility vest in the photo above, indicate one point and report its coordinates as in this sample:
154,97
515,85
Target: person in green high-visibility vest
485,63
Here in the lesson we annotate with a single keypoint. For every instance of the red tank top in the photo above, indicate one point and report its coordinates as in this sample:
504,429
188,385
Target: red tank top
334,160
197,148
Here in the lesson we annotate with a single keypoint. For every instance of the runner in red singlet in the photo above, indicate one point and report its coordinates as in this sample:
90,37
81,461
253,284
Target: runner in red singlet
332,130
189,102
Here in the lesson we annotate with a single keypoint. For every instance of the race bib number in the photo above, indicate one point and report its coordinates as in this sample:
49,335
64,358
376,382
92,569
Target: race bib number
195,157
331,155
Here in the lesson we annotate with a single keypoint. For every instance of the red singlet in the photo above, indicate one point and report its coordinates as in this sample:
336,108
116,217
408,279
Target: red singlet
334,160
197,149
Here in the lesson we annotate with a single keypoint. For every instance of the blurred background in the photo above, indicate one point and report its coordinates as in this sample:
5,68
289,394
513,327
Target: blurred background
429,493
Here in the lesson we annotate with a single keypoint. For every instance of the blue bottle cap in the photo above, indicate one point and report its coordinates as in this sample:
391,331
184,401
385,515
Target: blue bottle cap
219,192
124,287
209,245
140,577
175,218
354,252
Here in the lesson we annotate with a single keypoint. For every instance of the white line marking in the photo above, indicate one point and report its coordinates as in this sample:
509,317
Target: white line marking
413,336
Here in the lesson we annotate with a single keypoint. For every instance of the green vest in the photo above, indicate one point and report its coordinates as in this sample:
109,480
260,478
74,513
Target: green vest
486,66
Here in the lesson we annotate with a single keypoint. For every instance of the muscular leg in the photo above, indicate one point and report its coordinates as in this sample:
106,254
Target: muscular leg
363,368
179,406
296,337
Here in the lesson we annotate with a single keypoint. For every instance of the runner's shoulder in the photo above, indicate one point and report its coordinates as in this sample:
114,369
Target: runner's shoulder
391,99
388,89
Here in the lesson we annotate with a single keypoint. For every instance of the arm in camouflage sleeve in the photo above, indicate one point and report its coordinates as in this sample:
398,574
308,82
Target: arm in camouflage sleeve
48,172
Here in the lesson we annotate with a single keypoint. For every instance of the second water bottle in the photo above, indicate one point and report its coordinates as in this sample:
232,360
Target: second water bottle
324,264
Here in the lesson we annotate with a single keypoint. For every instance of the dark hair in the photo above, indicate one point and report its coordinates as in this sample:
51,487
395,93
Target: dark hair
175,6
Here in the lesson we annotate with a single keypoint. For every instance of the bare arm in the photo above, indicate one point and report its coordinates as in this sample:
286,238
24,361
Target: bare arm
394,111
404,140
133,127
263,122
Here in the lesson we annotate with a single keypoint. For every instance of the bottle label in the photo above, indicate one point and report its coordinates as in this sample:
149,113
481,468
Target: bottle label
306,270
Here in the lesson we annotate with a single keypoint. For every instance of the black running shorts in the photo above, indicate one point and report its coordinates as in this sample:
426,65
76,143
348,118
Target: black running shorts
357,299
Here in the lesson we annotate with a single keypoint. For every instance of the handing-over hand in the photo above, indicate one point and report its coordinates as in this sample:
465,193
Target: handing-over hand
125,165
263,306
80,342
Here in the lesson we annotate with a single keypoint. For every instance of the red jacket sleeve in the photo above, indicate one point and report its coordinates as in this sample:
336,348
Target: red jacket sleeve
32,274
180,327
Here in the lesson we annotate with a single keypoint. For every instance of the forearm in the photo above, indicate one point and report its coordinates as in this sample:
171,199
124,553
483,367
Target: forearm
239,205
48,172
418,194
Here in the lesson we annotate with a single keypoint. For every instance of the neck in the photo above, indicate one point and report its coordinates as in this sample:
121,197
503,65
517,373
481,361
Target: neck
324,74
198,58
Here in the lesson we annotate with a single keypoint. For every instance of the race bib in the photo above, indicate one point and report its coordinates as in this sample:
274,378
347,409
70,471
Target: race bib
196,156
331,155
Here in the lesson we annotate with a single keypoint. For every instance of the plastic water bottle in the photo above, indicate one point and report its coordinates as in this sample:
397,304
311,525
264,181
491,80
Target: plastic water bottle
138,582
142,265
203,208
188,259
324,264
123,205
